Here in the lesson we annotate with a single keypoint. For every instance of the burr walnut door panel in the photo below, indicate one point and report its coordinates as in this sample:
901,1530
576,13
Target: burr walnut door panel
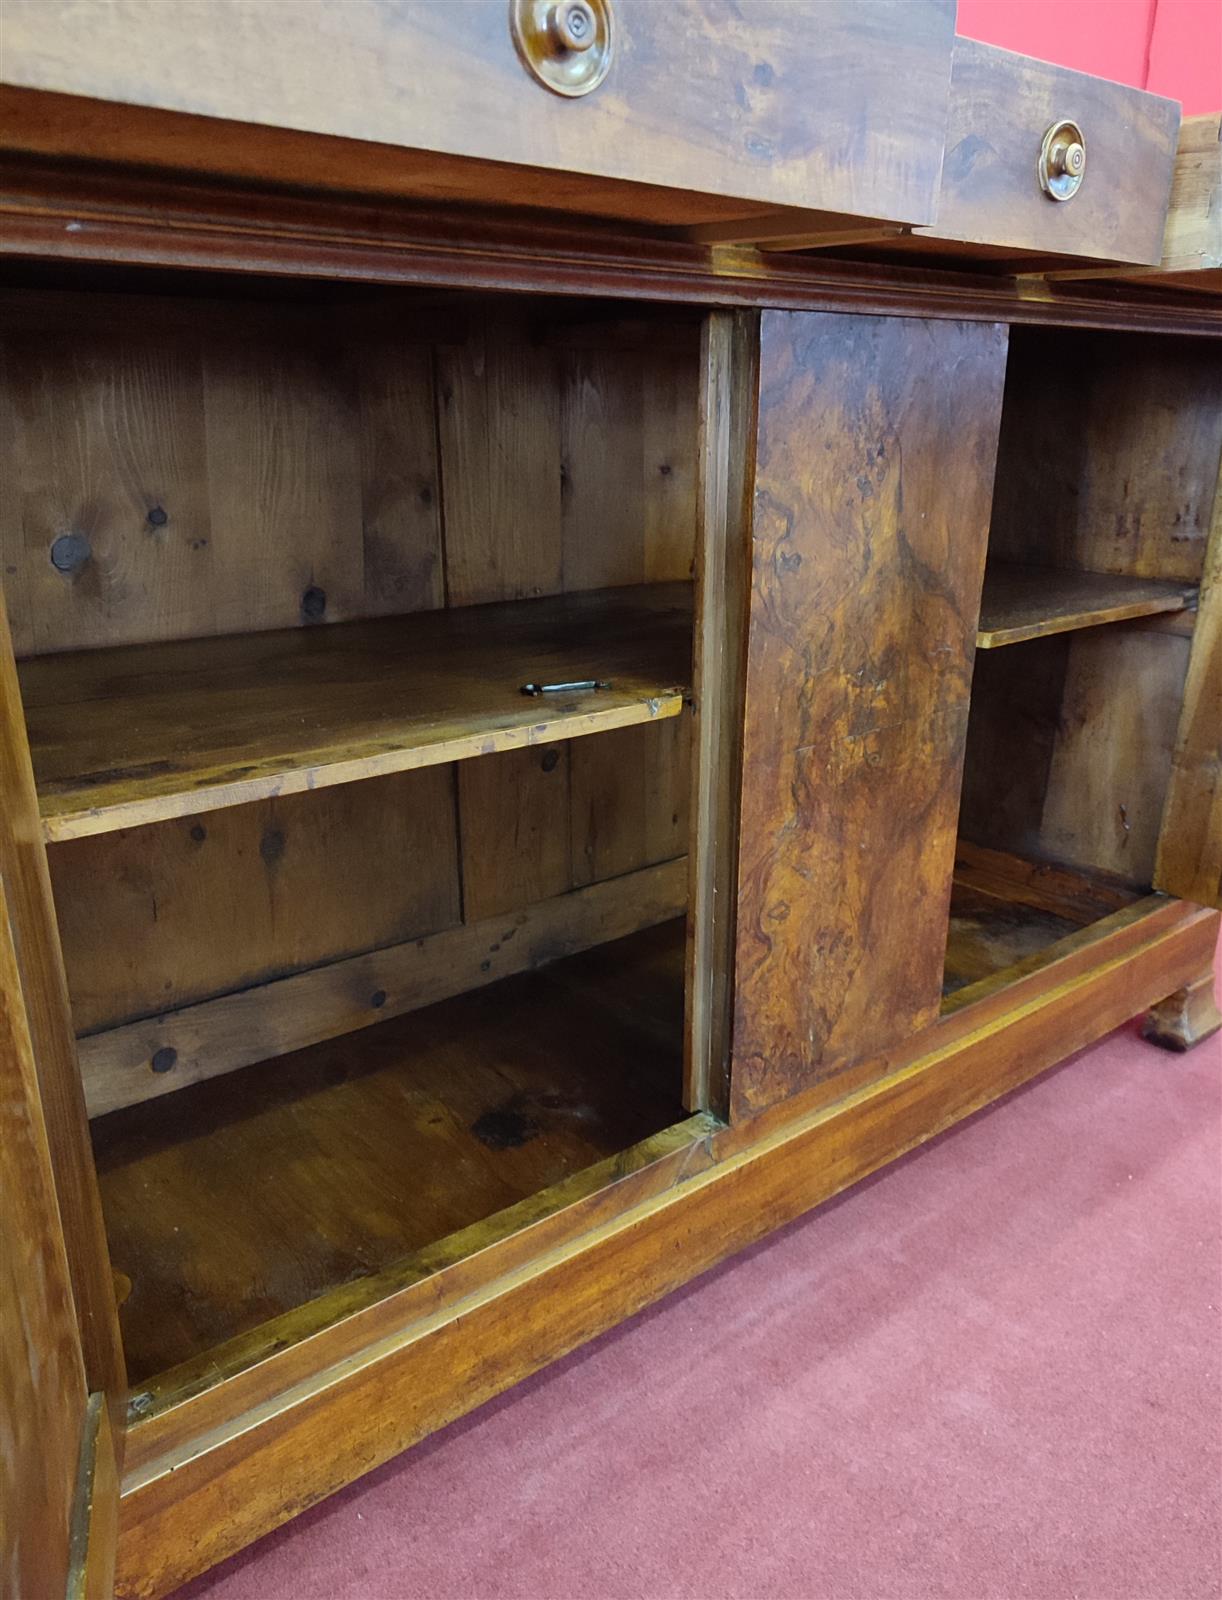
875,453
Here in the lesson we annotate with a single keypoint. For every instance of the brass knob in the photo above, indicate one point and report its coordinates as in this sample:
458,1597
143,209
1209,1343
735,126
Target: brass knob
573,26
1062,163
565,44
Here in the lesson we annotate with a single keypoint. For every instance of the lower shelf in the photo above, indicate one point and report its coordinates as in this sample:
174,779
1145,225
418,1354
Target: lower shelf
240,1199
1006,910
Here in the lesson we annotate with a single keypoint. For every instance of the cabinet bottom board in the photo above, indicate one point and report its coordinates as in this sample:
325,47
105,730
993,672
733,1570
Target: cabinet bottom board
242,1198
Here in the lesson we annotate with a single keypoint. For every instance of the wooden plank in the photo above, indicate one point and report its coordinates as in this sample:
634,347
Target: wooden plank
875,464
514,818
671,403
602,449
42,1373
767,108
1007,913
215,1492
1193,238
44,992
283,482
1127,486
1111,759
160,430
1011,735
402,559
348,1158
1021,603
1189,852
499,430
1081,897
139,734
104,432
729,402
156,918
218,1036
629,793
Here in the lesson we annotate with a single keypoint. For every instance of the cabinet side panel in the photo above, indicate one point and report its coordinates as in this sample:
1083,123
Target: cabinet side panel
44,990
1189,859
42,1376
876,448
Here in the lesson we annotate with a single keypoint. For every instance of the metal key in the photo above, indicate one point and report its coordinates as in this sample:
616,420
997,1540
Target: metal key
565,688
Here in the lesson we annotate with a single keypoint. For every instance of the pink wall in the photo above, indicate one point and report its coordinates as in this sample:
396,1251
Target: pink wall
1171,46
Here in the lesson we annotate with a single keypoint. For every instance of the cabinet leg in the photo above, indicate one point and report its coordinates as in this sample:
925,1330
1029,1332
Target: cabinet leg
1185,1017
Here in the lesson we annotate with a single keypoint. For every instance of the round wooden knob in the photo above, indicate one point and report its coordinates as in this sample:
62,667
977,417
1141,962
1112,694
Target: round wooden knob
1062,164
573,26
565,44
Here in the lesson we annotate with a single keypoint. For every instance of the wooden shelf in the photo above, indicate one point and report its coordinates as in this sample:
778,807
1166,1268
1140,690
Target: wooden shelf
1028,602
1007,911
134,735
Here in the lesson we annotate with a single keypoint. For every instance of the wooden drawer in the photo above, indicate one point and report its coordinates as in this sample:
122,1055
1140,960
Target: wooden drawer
718,106
1001,107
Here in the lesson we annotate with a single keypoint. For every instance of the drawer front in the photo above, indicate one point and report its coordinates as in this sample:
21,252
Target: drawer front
764,101
1001,107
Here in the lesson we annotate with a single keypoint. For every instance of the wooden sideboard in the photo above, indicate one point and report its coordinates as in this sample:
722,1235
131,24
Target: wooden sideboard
582,671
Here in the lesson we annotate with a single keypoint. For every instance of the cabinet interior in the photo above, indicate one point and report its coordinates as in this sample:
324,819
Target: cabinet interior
373,957
1107,468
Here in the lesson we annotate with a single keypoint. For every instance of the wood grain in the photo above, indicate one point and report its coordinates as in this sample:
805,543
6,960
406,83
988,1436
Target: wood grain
875,460
315,418
42,1373
1189,853
765,107
275,1187
164,1053
1117,476
163,916
136,735
1000,106
1111,761
1070,747
1005,910
1021,603
729,403
44,992
212,1494
1192,241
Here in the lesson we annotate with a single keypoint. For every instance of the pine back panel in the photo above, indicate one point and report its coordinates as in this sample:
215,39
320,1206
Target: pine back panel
246,465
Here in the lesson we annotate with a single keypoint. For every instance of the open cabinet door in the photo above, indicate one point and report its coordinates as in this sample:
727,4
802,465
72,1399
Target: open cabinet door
1189,861
58,1487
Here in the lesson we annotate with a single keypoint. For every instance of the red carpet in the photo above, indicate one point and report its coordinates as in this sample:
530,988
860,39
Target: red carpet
992,1371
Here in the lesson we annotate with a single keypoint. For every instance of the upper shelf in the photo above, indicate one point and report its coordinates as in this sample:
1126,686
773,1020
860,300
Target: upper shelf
137,734
1028,602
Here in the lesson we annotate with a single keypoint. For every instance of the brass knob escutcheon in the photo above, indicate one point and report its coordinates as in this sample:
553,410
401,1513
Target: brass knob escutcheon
566,44
1062,164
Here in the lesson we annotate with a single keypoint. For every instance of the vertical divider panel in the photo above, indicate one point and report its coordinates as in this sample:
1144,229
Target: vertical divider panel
729,384
876,447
